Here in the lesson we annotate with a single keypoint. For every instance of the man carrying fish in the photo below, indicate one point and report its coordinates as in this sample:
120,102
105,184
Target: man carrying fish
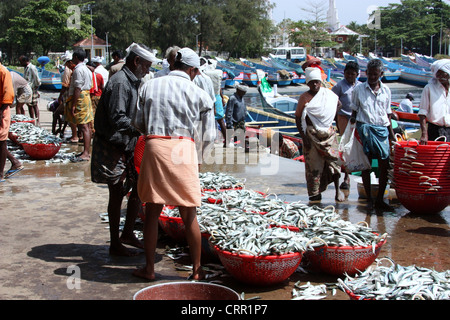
114,143
316,111
177,118
371,104
434,110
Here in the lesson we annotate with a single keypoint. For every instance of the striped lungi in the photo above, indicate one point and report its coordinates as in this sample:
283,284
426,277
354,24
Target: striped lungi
169,172
83,110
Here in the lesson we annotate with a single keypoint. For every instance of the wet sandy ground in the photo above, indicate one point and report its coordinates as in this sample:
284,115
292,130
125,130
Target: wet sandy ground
50,222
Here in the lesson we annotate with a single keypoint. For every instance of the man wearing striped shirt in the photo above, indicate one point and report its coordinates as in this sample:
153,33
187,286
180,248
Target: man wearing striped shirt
178,119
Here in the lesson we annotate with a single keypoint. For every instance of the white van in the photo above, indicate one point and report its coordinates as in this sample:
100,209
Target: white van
294,54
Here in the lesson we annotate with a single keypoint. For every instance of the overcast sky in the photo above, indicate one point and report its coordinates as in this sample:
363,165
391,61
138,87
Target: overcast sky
348,10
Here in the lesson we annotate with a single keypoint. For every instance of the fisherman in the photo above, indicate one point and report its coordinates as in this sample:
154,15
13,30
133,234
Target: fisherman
79,105
62,99
168,64
371,104
216,77
31,75
114,143
177,118
6,100
344,89
406,104
435,104
316,111
117,63
22,90
236,109
99,68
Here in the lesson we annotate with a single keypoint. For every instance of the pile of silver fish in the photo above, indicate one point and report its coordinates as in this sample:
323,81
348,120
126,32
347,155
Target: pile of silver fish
395,282
20,117
29,133
309,292
219,180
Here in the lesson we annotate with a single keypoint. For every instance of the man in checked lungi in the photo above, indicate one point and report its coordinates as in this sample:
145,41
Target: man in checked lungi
178,119
114,143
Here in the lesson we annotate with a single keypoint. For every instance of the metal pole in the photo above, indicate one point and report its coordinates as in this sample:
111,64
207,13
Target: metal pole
92,38
431,47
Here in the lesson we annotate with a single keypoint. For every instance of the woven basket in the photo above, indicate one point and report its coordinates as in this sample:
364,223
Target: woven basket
344,259
139,153
259,270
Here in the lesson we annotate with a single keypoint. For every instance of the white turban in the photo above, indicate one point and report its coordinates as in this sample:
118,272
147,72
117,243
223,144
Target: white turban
242,87
443,64
143,53
313,74
189,57
67,56
97,59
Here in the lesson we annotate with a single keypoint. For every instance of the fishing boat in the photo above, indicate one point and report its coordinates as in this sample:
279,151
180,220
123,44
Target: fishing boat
298,75
274,76
49,80
410,75
234,74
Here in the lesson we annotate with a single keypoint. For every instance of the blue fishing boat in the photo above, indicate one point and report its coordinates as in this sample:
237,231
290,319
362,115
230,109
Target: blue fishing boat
273,75
414,76
49,80
234,75
298,75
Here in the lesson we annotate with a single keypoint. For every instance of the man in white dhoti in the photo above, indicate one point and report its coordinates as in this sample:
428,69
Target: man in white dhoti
177,118
316,111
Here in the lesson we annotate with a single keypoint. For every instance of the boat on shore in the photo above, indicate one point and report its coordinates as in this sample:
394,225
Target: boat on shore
49,80
274,76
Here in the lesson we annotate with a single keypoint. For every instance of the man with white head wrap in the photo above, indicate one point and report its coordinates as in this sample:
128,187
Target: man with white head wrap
316,111
177,118
100,69
114,143
434,110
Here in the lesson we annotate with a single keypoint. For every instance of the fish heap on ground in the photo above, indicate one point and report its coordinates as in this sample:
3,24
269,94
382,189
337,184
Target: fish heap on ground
396,282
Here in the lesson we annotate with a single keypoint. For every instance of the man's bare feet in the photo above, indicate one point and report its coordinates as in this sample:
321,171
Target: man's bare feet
339,197
123,251
134,242
144,274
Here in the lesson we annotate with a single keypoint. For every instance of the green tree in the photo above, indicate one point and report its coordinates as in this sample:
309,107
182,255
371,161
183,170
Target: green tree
41,26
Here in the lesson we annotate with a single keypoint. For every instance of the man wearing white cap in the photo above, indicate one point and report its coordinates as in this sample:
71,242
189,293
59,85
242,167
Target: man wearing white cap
100,69
177,118
435,104
316,111
236,110
114,143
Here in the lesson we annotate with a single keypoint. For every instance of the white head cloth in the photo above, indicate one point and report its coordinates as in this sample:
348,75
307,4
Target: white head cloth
443,64
242,87
189,57
97,59
313,74
67,56
143,53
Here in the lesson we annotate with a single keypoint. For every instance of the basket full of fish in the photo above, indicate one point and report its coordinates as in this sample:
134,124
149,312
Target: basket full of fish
342,247
17,118
259,255
216,181
396,282
38,143
421,175
171,223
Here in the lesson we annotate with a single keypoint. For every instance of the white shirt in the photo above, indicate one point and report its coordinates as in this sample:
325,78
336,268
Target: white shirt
205,82
81,78
372,108
105,73
406,106
435,105
174,106
162,73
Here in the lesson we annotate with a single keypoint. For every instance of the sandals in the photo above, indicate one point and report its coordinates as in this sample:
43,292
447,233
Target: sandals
12,172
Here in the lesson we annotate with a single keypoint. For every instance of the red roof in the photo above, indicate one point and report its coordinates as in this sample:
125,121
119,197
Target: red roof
88,42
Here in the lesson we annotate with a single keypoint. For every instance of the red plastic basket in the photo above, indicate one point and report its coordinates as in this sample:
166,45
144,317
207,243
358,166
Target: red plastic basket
260,270
41,151
423,203
13,137
173,226
344,259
